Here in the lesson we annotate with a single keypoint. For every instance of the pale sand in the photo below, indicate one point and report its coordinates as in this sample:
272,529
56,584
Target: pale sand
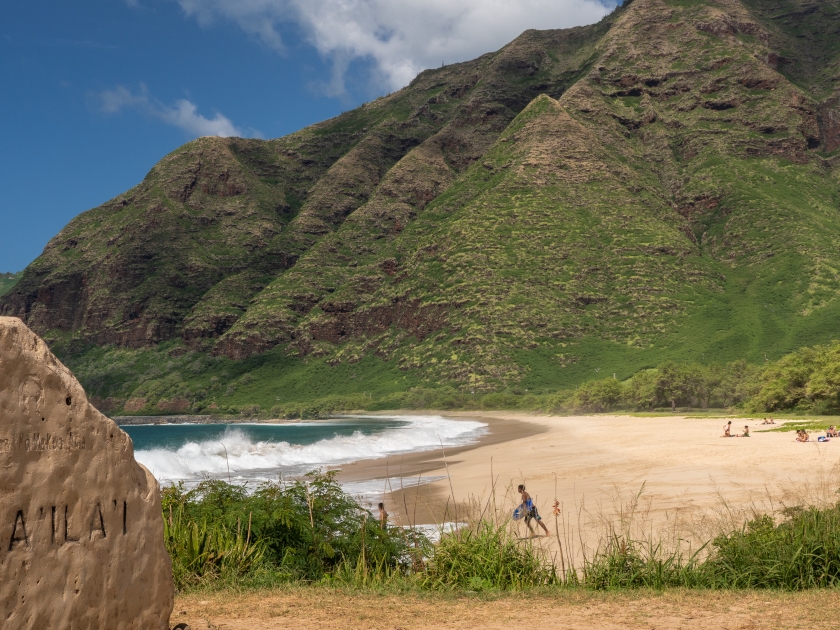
681,462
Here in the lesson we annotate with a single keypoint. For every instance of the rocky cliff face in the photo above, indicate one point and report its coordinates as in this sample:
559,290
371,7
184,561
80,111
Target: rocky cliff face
670,169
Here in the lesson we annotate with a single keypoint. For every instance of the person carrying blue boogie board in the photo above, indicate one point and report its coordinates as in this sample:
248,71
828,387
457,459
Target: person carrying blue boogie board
528,510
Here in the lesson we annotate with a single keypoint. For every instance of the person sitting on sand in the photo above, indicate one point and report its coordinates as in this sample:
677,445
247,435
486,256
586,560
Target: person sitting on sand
802,435
832,431
771,421
383,516
746,432
766,421
727,429
530,510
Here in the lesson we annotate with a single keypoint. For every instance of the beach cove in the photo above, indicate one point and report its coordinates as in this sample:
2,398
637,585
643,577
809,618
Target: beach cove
418,462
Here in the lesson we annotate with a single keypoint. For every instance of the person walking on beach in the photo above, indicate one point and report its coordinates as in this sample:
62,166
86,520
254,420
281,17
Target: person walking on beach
530,510
383,516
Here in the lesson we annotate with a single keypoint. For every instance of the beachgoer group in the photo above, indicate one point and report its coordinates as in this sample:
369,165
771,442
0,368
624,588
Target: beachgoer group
801,434
727,431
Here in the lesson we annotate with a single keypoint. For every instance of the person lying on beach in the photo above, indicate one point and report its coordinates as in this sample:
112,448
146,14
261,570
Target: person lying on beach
802,435
727,429
530,510
383,516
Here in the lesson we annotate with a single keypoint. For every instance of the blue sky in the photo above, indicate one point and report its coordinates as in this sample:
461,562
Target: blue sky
94,93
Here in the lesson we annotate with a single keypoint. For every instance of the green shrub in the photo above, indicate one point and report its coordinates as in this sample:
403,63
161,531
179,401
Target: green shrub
802,552
487,556
306,529
623,563
204,552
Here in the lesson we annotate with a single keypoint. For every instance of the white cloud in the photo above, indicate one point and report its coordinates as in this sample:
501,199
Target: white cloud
182,114
401,37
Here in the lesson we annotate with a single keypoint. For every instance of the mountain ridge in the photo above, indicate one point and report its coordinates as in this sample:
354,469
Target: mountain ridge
663,183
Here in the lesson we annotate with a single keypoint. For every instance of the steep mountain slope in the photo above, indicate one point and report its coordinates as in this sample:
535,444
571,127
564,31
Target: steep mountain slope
237,212
7,281
664,184
605,215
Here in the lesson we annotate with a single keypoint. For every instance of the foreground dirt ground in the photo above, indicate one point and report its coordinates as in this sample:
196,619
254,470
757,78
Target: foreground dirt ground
321,608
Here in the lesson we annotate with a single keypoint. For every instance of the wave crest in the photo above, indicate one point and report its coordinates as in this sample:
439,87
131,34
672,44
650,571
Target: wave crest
250,459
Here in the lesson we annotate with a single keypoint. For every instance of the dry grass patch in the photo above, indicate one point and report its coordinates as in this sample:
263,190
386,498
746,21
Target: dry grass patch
307,608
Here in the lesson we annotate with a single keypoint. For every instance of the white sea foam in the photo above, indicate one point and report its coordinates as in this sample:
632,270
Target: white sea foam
260,460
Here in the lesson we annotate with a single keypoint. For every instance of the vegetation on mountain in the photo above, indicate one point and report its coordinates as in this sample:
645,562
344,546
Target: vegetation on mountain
662,186
8,280
803,382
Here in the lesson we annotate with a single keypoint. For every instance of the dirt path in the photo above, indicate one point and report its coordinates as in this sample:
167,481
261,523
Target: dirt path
311,608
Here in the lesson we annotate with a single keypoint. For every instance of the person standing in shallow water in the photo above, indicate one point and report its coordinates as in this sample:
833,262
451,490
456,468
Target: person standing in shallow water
530,510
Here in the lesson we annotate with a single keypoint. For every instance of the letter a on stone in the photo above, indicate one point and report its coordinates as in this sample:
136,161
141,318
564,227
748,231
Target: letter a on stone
19,534
67,559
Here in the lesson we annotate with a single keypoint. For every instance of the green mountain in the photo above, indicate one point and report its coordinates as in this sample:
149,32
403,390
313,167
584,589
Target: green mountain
662,185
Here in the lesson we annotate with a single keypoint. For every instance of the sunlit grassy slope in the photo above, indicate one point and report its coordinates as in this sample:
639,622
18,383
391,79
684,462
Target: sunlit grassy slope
8,280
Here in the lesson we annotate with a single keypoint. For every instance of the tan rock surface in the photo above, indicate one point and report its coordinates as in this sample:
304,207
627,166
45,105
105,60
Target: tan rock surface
81,533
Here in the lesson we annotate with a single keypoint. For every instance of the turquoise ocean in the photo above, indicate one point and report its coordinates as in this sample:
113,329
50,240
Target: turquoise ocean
259,452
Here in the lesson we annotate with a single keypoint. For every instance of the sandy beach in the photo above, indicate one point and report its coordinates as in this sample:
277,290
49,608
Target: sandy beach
600,462
692,478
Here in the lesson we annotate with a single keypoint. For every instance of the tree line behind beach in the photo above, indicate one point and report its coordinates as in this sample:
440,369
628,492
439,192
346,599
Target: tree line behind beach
806,381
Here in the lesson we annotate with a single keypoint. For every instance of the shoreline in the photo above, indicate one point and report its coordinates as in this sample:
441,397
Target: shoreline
424,497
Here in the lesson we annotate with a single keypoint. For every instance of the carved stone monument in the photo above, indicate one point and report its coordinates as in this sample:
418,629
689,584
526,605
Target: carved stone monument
81,532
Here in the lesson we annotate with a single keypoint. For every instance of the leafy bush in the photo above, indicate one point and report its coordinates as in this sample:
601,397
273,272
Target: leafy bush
624,563
306,529
202,553
802,552
487,556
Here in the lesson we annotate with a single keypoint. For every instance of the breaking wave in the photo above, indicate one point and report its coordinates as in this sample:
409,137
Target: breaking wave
250,459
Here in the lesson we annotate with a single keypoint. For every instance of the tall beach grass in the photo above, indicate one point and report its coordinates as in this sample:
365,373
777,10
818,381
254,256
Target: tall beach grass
310,530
